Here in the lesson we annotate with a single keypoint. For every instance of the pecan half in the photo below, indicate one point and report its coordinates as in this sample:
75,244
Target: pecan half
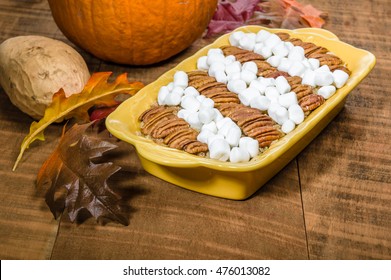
184,133
201,81
168,126
249,56
232,50
195,147
311,102
283,36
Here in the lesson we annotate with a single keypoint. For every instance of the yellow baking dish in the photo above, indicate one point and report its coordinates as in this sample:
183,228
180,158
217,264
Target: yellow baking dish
224,179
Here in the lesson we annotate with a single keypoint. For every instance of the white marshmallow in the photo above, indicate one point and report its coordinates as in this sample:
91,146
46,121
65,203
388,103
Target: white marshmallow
183,114
194,120
214,137
181,79
323,78
247,95
191,91
161,96
250,145
229,59
233,76
173,99
282,115
296,53
262,35
274,60
206,115
210,126
239,155
258,86
288,126
202,63
282,85
204,135
297,68
289,45
272,110
306,64
247,42
266,81
219,149
218,115
258,48
296,114
233,136
207,103
261,102
234,67
281,49
266,52
201,99
215,51
190,103
223,122
215,57
309,78
272,93
235,37
221,77
287,99
314,63
215,67
285,64
250,66
178,90
236,86
247,76
272,41
170,86
326,91
323,68
224,130
340,77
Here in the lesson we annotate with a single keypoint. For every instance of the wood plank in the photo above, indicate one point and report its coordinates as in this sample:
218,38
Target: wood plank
27,228
345,173
168,222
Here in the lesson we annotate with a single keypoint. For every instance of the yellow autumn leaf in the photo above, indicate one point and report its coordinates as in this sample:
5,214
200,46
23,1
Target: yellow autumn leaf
97,92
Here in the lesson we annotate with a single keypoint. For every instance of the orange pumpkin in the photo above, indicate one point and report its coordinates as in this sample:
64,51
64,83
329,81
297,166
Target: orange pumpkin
136,32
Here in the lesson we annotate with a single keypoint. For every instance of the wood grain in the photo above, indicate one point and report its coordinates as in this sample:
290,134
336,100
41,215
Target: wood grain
345,173
332,202
167,222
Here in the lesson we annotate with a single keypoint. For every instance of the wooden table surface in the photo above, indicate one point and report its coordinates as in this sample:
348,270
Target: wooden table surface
333,201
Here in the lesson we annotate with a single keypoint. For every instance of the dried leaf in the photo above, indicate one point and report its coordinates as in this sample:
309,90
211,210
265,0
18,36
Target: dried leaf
101,113
230,15
73,182
97,92
270,13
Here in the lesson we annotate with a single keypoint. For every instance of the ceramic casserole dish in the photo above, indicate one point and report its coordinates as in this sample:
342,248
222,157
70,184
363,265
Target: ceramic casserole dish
235,180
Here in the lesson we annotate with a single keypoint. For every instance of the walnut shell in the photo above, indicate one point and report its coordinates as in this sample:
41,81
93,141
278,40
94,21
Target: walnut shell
33,68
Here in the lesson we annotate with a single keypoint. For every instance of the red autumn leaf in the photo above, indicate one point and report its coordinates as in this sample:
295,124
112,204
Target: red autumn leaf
101,113
74,183
270,13
230,15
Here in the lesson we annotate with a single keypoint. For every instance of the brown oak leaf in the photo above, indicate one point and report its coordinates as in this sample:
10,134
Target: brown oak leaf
72,181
